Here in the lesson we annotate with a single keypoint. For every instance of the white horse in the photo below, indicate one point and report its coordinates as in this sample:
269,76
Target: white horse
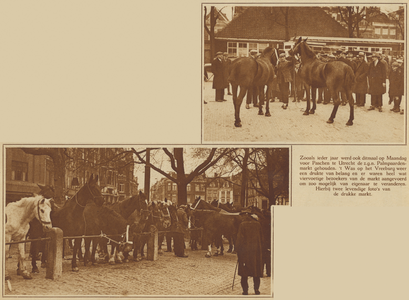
18,216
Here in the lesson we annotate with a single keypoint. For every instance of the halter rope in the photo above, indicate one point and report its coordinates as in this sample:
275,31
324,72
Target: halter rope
38,213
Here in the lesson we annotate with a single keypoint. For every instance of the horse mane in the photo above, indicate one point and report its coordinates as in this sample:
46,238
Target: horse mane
267,52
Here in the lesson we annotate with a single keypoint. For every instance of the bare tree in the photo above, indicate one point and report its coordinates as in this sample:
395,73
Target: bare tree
177,163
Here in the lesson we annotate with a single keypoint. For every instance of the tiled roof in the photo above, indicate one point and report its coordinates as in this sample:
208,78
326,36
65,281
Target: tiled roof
269,23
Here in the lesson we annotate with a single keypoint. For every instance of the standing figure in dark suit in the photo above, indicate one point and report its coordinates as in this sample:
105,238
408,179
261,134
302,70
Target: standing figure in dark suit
226,70
249,251
284,77
396,86
219,80
361,80
377,82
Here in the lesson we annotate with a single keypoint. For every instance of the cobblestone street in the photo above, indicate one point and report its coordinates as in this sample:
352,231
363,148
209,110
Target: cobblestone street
169,275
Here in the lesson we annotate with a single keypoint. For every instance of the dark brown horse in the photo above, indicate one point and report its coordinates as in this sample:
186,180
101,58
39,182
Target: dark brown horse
337,76
126,207
70,217
248,72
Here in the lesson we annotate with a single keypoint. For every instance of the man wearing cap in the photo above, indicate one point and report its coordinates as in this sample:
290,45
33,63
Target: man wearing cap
377,82
219,80
252,91
249,251
361,80
284,77
396,86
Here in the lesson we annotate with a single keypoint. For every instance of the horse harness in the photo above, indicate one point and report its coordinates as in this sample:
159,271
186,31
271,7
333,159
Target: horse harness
38,213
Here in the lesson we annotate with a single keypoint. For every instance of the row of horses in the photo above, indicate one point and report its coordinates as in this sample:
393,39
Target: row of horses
247,73
122,224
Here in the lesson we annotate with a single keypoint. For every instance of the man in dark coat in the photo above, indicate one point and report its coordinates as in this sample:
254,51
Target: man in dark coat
249,251
361,80
284,77
219,80
226,70
396,86
377,82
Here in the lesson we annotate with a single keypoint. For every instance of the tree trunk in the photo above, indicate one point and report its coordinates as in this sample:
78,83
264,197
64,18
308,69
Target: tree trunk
270,176
244,178
181,176
212,25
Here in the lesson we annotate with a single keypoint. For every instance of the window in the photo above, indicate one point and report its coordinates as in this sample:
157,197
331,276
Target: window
19,170
203,187
385,31
174,186
169,186
232,49
197,187
262,46
375,49
242,51
188,187
377,30
392,31
122,187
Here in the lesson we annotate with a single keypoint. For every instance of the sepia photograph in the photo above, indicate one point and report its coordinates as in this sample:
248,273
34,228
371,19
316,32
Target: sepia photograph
179,221
314,73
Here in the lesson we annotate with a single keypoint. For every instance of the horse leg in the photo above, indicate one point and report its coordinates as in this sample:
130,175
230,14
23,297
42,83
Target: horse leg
77,245
86,252
118,254
112,255
307,95
7,275
335,97
313,98
21,258
351,109
44,255
267,101
237,104
260,94
34,253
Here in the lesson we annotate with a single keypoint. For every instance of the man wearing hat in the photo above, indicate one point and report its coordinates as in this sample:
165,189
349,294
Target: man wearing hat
252,91
361,80
377,82
219,80
249,251
284,77
396,86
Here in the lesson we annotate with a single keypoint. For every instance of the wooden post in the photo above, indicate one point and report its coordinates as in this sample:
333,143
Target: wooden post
55,250
153,244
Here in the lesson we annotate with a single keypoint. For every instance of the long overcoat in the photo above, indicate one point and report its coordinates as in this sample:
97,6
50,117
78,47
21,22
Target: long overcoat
226,70
219,81
249,248
377,77
361,78
396,83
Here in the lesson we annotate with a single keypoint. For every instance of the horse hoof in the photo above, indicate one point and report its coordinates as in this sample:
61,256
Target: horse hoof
19,272
268,114
330,121
7,277
260,113
221,253
312,112
27,275
208,255
43,265
126,260
75,269
118,261
306,113
349,123
237,124
35,270
247,106
216,254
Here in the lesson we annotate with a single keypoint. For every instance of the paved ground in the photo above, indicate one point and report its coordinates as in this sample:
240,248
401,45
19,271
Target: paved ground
169,275
291,126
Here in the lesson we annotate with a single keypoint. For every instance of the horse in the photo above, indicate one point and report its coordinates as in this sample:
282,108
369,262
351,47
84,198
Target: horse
36,231
126,207
18,216
215,223
224,206
102,219
70,217
158,216
337,76
248,72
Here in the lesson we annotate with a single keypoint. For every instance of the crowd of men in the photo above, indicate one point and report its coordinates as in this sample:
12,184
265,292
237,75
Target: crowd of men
371,74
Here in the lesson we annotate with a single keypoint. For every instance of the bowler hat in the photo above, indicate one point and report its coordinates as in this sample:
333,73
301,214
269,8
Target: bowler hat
282,55
361,54
219,53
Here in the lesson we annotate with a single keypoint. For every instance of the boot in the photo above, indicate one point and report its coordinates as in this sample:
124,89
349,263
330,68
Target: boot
396,106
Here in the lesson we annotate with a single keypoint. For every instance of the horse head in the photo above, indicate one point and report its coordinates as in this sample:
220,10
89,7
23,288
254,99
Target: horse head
47,191
301,47
44,207
90,191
